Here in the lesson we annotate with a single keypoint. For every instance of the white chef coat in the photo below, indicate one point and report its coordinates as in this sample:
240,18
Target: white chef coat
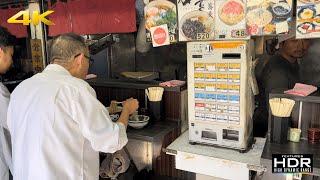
5,146
58,126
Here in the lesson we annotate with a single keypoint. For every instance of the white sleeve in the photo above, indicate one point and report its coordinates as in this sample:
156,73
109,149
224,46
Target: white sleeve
4,102
4,131
96,125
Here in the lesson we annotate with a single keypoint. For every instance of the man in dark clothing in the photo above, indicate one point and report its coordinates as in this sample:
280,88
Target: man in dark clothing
280,72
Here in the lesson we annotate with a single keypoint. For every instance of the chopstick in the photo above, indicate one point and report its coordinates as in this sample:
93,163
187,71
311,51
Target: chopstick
116,102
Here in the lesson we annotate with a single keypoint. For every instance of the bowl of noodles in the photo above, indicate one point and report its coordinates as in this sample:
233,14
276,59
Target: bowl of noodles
196,22
161,12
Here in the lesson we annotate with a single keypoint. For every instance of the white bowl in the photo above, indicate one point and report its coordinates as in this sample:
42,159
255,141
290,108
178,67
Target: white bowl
138,125
138,118
138,121
115,116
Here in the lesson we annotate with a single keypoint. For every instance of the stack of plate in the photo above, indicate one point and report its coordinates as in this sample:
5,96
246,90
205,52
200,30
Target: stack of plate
138,121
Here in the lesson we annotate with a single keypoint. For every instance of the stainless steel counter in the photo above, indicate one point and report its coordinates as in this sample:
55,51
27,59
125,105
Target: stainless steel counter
145,145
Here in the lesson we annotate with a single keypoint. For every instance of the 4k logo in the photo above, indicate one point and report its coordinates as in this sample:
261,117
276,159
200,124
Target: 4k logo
36,18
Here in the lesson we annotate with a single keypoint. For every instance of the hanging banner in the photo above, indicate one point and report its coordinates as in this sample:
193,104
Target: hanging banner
36,53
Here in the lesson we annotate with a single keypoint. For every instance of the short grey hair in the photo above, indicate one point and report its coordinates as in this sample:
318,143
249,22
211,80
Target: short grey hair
63,48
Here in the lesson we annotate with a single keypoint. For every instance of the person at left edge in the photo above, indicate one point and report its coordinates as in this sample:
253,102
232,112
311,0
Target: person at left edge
6,52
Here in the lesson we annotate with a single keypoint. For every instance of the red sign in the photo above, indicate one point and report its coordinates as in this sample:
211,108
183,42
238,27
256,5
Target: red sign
160,36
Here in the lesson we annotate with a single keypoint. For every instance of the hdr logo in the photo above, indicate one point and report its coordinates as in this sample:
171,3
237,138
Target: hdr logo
292,163
35,19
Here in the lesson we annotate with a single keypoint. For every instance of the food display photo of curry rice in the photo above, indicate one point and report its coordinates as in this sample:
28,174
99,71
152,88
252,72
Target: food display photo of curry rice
268,17
160,12
230,19
308,19
196,20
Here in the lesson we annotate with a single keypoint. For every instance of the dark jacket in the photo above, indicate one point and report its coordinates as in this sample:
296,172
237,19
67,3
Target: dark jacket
278,73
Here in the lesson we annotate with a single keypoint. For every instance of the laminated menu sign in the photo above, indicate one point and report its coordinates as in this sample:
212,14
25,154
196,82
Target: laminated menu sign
200,86
234,109
234,67
222,67
199,106
161,12
211,67
308,19
222,77
199,66
268,17
210,77
217,92
210,87
200,96
210,108
199,76
230,19
195,19
211,97
234,78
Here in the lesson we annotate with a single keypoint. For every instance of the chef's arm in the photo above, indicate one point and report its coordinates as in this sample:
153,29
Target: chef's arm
124,117
95,124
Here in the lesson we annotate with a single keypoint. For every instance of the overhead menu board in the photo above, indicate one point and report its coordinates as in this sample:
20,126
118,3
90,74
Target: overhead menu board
268,17
230,19
161,12
308,19
196,20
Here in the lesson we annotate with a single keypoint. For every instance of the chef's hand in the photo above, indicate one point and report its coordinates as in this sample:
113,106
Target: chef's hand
130,105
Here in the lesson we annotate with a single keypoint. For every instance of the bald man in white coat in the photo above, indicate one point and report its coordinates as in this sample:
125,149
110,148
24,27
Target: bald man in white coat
6,52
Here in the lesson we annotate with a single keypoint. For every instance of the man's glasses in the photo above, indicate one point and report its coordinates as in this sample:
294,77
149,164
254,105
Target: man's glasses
88,57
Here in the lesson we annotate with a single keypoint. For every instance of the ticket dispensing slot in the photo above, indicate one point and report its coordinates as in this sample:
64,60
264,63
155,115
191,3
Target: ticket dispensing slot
231,56
232,135
209,135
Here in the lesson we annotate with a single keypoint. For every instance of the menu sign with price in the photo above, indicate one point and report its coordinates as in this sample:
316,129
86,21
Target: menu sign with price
217,92
161,12
230,20
269,17
308,19
196,20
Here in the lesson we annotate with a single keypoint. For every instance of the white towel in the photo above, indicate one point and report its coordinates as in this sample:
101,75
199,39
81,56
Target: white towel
114,164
